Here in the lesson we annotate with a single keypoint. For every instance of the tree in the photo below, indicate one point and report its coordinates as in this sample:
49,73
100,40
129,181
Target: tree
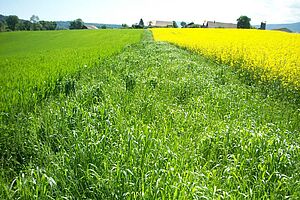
2,26
183,24
12,21
243,22
52,25
175,24
27,25
124,26
24,25
20,26
141,23
76,24
35,24
48,25
34,19
36,27
44,24
103,27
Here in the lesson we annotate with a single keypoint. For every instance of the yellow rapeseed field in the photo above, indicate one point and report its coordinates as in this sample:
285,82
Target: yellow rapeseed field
272,55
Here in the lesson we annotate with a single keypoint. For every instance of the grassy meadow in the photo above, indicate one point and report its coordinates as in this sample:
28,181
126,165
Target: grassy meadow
149,120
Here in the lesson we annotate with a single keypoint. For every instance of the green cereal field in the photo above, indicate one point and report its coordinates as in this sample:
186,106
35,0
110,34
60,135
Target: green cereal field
113,114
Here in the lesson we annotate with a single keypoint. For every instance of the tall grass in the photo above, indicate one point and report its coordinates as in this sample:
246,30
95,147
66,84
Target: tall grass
155,122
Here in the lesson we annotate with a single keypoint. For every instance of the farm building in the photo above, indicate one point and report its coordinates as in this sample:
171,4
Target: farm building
90,27
160,24
214,24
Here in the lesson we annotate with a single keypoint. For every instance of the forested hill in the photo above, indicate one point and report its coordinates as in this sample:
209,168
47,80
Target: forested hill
2,17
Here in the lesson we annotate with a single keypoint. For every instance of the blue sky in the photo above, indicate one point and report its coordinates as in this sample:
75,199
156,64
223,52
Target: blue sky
130,11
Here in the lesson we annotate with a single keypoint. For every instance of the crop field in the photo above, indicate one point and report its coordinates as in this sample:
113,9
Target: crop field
32,64
148,120
271,55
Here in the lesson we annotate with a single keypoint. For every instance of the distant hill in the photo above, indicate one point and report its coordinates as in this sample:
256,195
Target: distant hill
295,27
66,24
2,17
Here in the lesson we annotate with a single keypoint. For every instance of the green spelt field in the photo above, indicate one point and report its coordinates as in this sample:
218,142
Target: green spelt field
149,121
33,64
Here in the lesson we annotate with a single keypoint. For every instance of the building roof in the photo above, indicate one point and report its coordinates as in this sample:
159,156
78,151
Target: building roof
90,27
213,24
156,23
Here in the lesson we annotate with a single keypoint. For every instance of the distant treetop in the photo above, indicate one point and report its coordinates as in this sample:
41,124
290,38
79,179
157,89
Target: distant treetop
243,22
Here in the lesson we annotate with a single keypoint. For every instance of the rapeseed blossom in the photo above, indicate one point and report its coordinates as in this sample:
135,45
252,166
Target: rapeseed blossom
272,55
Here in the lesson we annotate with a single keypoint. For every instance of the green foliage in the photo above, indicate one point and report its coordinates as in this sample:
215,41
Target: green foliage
12,21
76,24
2,26
103,27
153,122
183,24
175,24
27,25
141,23
36,26
244,22
48,25
34,19
23,25
125,26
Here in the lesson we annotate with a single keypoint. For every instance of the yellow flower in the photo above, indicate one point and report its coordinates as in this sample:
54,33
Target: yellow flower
271,54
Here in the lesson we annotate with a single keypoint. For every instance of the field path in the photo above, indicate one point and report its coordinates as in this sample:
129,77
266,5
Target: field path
159,122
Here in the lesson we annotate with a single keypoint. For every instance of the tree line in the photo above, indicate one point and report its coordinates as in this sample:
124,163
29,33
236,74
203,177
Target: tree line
243,22
13,23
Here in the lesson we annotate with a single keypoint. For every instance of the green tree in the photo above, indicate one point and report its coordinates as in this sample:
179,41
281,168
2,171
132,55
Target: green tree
124,26
150,24
27,25
141,23
2,26
44,24
48,25
35,24
175,24
34,19
103,27
20,26
36,27
76,24
12,21
244,22
52,25
183,24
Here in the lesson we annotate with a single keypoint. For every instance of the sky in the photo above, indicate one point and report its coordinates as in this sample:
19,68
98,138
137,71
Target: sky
130,11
